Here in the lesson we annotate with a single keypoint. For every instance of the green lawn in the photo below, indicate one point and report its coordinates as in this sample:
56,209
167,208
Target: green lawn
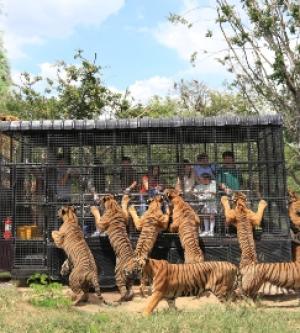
17,315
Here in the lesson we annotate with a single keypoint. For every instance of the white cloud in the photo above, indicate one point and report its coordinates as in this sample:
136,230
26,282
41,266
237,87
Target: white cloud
32,21
143,90
186,41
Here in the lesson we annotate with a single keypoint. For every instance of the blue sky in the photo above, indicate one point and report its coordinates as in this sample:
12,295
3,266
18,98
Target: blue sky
135,43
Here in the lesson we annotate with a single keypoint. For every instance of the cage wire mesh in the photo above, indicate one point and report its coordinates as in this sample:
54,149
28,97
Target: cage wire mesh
47,164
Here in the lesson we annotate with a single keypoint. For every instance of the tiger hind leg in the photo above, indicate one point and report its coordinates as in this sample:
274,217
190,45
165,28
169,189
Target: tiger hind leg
124,286
96,285
81,297
77,284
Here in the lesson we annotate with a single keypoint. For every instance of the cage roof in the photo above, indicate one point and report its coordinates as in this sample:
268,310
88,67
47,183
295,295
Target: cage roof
68,124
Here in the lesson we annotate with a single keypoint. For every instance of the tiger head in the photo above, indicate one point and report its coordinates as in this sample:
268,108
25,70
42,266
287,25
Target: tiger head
240,199
294,209
171,193
135,267
156,201
67,214
107,201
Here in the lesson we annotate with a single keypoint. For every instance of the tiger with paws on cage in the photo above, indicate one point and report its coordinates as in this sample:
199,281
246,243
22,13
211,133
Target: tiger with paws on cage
80,260
114,222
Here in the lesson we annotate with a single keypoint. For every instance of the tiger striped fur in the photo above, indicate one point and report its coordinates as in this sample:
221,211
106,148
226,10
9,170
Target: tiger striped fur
114,222
294,209
173,280
186,222
281,274
241,215
70,238
244,219
294,214
150,224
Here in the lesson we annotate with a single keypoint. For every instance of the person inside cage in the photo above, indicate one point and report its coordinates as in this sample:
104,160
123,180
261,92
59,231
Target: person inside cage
151,184
64,180
128,175
37,198
229,177
206,193
187,174
203,166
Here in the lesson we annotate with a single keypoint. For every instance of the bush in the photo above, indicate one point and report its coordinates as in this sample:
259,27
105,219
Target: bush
45,293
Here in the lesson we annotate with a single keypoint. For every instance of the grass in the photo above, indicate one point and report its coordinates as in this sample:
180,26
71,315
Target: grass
18,315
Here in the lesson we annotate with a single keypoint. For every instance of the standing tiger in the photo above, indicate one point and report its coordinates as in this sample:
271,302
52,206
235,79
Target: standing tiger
259,276
244,220
150,224
294,209
285,274
294,214
173,280
186,222
113,222
70,238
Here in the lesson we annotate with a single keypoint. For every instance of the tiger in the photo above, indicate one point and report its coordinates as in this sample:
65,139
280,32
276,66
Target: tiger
244,220
174,280
294,215
286,274
114,222
294,209
84,273
257,278
150,224
5,117
281,274
186,222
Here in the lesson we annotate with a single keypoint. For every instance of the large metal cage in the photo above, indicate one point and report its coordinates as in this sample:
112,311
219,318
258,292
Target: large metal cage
34,153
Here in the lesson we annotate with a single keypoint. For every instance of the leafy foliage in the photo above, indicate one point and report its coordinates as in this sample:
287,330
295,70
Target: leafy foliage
78,93
264,54
45,293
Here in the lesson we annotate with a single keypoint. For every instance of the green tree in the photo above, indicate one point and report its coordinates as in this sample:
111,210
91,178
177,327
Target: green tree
78,93
264,54
157,107
5,80
4,70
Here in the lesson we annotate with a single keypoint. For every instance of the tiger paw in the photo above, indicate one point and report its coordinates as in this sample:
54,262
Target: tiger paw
263,203
224,199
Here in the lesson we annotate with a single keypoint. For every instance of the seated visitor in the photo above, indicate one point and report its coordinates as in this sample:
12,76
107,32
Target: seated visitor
206,192
128,175
151,184
187,174
203,166
229,177
64,179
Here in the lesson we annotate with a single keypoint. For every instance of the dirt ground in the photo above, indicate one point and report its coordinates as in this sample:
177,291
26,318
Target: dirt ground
137,305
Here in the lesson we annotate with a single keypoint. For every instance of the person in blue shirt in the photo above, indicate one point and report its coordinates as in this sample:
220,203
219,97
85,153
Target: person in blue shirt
203,166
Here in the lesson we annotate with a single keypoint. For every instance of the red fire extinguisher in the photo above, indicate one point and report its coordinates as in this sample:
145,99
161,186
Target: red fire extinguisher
7,228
